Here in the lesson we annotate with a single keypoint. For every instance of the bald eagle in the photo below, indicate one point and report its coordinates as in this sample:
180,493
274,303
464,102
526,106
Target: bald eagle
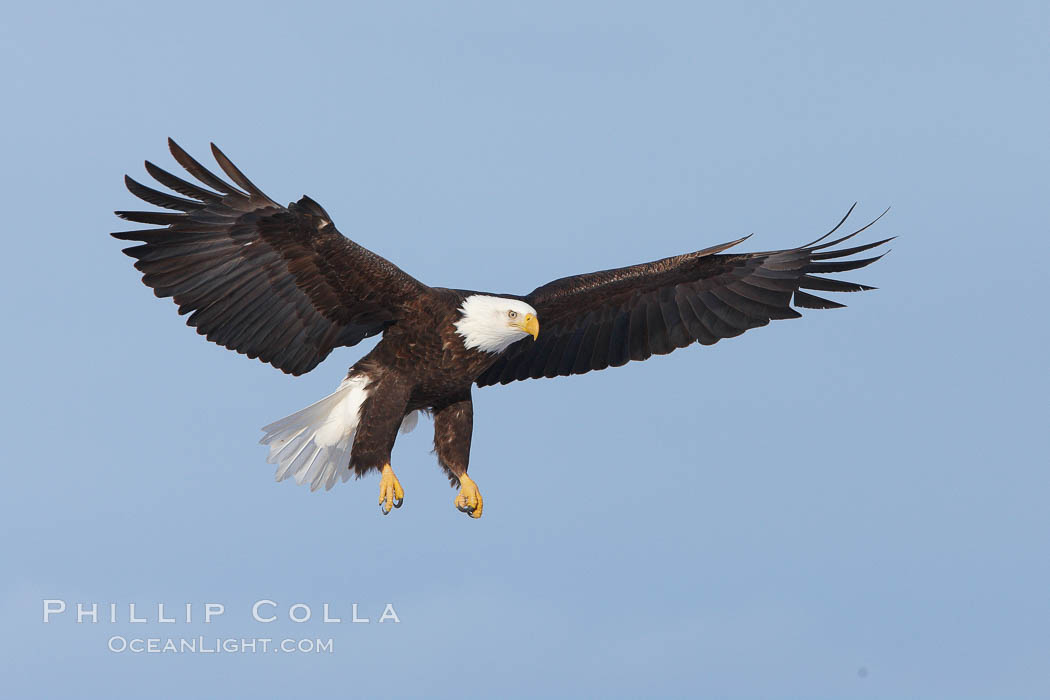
281,284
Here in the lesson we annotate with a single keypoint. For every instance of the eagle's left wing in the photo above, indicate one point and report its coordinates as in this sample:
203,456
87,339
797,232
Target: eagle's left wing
604,319
273,282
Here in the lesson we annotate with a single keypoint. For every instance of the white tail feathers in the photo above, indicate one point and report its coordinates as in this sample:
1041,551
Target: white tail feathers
313,445
409,423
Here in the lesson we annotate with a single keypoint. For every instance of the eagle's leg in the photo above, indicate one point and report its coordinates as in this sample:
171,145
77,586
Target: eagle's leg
453,426
381,415
391,495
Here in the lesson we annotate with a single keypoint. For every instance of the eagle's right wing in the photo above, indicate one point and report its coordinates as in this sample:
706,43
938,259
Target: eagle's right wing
273,282
605,319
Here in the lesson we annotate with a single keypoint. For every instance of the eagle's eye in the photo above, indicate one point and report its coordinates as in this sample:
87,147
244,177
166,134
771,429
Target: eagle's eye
512,314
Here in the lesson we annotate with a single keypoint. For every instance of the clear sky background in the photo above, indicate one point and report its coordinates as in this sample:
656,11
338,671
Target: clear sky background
853,504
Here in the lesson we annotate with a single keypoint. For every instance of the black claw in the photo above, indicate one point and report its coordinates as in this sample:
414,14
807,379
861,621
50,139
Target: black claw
386,511
398,502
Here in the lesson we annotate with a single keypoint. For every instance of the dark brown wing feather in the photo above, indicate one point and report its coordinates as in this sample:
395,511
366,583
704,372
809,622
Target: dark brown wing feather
605,319
273,282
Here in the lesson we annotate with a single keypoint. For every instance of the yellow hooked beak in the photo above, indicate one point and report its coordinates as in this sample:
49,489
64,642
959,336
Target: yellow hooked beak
530,325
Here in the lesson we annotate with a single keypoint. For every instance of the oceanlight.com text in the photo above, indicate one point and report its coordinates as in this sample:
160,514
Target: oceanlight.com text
218,645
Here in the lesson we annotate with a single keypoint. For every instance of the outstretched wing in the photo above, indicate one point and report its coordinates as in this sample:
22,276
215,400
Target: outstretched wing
277,283
604,319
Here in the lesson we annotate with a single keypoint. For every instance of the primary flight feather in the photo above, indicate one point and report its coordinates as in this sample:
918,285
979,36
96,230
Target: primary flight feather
283,285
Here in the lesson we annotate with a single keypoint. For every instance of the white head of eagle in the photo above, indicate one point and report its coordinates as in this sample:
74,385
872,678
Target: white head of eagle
491,324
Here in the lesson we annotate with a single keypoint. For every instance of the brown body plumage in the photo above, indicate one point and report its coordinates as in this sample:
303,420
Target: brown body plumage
283,285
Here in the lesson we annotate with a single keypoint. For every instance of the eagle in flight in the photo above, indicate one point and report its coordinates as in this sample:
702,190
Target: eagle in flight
281,284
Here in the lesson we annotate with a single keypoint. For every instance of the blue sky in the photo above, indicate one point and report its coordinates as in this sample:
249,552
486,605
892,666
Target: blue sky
848,505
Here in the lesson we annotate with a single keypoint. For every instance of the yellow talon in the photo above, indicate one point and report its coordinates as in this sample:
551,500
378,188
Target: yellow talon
469,498
391,495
